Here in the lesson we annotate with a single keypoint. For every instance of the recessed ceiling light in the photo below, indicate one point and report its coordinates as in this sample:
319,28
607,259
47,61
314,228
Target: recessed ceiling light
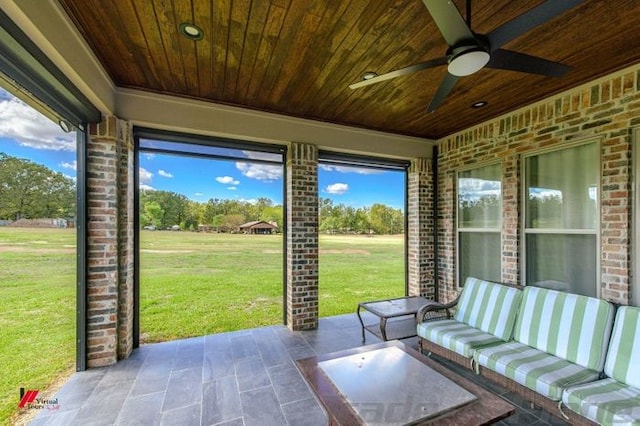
479,104
191,31
369,75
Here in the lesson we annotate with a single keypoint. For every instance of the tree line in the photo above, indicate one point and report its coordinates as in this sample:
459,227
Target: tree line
165,209
30,190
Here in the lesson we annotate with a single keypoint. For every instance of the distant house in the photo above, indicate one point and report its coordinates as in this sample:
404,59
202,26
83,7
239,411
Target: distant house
41,223
258,227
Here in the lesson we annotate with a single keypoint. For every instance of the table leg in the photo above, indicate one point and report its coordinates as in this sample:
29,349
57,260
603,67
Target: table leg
361,324
383,328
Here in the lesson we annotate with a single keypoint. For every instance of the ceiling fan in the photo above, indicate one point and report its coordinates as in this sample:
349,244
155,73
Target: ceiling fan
469,52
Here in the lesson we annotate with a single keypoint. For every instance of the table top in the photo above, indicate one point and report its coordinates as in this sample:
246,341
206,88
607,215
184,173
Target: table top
483,408
395,307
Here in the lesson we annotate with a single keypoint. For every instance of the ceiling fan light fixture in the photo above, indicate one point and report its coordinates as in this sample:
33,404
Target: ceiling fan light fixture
191,31
369,75
468,62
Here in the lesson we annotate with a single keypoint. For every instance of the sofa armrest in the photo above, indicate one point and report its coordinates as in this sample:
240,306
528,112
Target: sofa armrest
434,311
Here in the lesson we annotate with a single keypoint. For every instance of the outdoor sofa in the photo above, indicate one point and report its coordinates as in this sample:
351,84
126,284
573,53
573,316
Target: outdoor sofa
542,344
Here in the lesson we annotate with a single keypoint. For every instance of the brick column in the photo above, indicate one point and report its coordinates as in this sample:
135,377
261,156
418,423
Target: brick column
109,234
125,239
302,236
420,229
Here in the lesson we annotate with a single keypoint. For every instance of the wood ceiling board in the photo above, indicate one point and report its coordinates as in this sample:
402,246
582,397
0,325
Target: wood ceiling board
297,57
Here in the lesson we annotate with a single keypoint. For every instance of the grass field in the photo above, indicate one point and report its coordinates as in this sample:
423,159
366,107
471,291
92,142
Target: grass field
191,284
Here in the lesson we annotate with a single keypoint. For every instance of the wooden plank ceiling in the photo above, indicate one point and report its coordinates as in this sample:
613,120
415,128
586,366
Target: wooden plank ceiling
297,57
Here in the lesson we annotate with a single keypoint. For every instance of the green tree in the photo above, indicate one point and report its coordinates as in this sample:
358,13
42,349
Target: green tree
154,213
30,190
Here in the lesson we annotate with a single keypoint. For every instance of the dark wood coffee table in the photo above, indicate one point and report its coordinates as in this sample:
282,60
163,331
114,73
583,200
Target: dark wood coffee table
476,406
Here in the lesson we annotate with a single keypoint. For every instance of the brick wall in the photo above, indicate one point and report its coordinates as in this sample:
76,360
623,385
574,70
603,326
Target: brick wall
109,242
606,109
420,250
302,236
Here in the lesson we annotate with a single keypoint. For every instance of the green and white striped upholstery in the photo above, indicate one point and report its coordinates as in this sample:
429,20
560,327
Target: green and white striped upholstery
456,336
623,357
616,399
559,340
489,307
606,402
485,315
546,374
569,326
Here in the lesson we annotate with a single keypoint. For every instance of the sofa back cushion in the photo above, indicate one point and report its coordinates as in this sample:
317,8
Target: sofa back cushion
623,357
489,307
570,326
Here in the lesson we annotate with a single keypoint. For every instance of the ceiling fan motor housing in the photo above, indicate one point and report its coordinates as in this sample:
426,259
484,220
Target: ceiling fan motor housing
467,58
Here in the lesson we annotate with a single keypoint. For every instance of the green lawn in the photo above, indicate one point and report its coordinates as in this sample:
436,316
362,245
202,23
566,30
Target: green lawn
222,282
191,284
37,320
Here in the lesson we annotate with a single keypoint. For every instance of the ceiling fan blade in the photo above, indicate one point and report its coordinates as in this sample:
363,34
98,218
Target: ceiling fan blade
515,61
528,20
402,71
450,22
443,91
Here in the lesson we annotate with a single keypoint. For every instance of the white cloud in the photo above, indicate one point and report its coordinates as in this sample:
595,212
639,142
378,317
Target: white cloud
232,188
350,169
164,174
265,172
30,128
337,188
144,176
227,180
149,156
73,165
147,187
198,194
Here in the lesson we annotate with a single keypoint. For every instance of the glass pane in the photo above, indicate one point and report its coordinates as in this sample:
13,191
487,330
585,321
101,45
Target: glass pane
479,256
562,262
479,196
562,189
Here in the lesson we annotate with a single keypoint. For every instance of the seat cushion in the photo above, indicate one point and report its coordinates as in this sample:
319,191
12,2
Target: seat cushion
569,326
623,356
456,336
489,307
546,374
605,401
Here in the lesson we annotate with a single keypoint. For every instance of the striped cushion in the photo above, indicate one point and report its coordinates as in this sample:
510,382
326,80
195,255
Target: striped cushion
623,357
489,307
570,326
606,402
546,374
456,336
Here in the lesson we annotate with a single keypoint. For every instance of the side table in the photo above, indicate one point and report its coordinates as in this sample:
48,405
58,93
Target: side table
393,308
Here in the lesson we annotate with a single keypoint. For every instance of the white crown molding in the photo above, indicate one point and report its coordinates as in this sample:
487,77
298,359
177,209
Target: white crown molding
206,118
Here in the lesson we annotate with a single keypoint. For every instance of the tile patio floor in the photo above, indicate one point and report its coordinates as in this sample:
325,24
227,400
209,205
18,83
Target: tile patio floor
238,378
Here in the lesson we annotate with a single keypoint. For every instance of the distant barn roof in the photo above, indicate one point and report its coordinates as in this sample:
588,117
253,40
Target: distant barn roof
258,224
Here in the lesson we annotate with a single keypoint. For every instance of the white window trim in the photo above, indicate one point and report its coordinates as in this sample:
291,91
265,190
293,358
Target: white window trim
528,231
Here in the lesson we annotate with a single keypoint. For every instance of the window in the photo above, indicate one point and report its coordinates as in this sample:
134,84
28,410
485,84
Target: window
561,216
479,223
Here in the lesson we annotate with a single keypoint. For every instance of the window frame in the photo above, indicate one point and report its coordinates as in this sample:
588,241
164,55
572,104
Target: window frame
460,230
525,231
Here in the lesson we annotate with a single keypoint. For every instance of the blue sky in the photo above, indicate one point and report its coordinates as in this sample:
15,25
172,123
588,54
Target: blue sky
25,133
